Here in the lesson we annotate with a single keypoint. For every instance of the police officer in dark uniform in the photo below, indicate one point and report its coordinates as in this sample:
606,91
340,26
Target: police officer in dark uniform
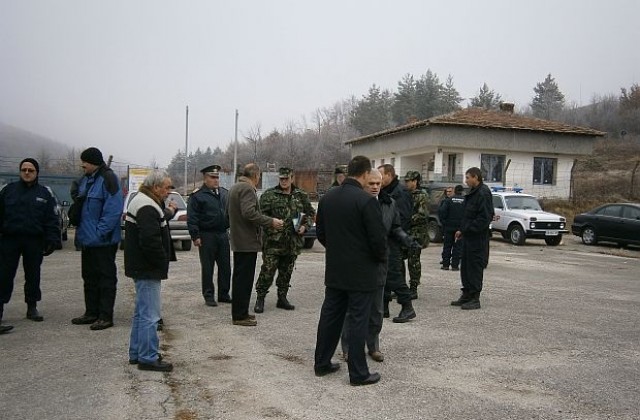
450,213
28,228
208,223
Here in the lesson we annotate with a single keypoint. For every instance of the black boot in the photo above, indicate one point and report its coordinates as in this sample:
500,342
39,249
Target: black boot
259,308
473,303
414,291
33,314
407,313
283,303
386,309
464,298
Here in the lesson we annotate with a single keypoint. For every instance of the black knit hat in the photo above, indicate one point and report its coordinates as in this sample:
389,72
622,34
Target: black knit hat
31,161
92,156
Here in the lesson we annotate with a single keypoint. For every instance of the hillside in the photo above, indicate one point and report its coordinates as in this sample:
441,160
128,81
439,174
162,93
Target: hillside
16,144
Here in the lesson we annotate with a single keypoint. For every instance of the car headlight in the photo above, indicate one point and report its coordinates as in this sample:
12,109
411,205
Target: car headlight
561,225
532,225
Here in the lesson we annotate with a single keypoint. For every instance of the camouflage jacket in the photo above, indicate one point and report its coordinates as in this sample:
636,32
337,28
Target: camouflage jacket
420,216
289,208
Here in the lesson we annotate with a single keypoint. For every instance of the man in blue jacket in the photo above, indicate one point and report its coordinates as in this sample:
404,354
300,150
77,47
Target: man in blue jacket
28,228
98,233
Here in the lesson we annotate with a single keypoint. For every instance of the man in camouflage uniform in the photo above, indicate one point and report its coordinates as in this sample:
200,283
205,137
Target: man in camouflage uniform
418,229
281,247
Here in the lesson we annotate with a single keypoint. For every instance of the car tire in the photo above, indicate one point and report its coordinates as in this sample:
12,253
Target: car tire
186,245
516,234
308,243
589,236
433,229
553,240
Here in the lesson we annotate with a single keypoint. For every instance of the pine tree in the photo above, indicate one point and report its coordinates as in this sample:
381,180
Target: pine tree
404,101
548,101
450,100
373,112
428,95
486,98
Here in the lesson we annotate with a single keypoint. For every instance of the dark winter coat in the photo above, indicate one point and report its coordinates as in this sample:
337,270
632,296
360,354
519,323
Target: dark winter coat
245,219
404,202
147,244
450,212
478,212
349,224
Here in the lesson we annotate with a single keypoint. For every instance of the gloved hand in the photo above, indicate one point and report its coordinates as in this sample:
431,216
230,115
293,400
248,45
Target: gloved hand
48,249
410,242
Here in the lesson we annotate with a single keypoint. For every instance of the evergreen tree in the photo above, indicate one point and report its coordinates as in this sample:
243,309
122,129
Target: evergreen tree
404,101
548,101
373,112
428,95
450,100
486,98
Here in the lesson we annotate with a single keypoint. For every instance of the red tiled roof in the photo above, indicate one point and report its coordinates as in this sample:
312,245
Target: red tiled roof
483,118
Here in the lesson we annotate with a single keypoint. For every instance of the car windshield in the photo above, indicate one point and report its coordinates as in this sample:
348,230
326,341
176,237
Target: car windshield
177,198
522,202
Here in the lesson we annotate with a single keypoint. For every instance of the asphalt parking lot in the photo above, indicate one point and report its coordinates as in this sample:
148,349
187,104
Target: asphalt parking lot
557,338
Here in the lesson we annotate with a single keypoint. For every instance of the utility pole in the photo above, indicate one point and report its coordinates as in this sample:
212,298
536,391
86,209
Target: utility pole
186,150
235,152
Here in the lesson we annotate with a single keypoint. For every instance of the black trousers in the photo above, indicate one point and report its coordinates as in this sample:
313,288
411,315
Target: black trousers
11,248
332,317
396,276
215,250
474,257
244,270
451,249
100,281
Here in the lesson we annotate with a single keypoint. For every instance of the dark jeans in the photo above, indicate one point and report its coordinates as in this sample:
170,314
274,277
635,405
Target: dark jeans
474,256
451,249
332,317
11,248
100,280
215,250
244,269
396,276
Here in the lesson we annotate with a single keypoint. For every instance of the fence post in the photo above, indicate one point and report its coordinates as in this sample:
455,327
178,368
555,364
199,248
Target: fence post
633,177
571,182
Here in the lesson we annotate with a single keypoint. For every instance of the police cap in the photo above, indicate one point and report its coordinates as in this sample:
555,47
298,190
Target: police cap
213,170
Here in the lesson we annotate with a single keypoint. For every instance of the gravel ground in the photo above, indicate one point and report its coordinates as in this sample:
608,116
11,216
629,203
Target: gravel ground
557,338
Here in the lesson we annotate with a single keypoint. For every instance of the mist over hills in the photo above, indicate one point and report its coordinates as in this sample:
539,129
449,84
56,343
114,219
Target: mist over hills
17,144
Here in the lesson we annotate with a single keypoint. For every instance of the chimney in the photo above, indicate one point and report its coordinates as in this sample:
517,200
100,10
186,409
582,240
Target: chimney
507,107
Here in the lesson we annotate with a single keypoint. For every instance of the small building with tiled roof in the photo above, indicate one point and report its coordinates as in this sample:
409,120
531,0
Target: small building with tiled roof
511,150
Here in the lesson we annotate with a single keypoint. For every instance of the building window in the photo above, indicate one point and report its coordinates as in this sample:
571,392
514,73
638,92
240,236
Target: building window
492,167
381,162
393,162
544,171
373,163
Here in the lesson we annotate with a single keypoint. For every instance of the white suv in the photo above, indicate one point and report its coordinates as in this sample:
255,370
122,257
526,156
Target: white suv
519,216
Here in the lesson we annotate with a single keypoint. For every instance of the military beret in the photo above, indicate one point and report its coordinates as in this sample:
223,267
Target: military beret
213,170
285,172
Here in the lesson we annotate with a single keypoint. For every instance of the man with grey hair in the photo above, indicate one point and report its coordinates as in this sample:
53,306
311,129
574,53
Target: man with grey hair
147,252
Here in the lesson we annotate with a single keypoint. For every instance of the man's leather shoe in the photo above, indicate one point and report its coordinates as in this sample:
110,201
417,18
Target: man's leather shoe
248,322
5,329
283,303
445,267
84,320
135,361
101,324
34,315
455,269
259,308
377,356
210,302
251,316
325,370
157,366
224,298
372,379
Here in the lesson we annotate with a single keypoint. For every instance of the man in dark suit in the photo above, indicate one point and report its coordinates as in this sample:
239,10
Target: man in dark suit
349,225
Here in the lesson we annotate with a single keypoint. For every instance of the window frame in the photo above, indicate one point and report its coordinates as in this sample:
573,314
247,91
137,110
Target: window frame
540,165
491,165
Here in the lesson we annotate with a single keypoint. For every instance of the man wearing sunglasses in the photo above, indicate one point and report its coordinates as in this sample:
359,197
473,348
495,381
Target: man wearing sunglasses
28,229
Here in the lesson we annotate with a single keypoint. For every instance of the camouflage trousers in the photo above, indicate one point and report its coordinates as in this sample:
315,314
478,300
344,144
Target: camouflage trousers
414,265
284,264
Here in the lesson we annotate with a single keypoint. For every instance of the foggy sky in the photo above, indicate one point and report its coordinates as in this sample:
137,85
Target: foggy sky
118,74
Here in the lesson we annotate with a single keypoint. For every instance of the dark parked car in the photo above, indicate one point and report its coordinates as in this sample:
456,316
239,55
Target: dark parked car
60,209
619,222
435,190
